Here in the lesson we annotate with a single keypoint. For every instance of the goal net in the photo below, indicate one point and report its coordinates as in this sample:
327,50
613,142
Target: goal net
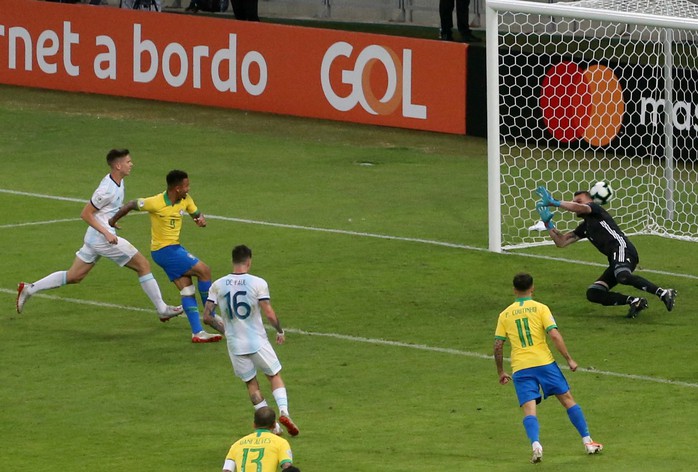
588,91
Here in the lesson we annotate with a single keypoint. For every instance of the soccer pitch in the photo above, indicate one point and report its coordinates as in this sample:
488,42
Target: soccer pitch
373,242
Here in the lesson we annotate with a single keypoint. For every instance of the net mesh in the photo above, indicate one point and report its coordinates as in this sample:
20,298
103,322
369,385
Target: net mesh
588,100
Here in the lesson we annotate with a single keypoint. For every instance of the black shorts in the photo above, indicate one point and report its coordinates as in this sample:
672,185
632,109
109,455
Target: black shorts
626,261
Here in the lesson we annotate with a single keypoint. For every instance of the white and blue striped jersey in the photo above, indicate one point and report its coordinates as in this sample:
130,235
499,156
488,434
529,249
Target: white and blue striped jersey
238,297
107,199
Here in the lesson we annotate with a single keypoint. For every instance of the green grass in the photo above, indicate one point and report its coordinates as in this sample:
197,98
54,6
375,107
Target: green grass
101,387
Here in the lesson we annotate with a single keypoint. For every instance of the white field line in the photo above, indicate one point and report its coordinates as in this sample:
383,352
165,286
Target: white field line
40,223
379,342
370,235
478,355
43,195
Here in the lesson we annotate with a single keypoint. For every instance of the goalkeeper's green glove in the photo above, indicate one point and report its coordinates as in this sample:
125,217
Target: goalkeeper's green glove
546,216
546,197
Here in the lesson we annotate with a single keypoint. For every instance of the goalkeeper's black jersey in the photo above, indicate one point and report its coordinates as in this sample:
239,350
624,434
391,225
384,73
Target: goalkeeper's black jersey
605,235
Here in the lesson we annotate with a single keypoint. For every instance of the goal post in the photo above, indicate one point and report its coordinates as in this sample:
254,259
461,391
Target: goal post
588,91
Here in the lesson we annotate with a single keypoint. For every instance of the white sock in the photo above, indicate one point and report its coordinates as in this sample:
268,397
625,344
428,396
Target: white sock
152,289
536,445
260,405
281,400
586,439
55,280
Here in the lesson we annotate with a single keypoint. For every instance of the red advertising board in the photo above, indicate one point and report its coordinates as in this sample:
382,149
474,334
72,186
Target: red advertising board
338,75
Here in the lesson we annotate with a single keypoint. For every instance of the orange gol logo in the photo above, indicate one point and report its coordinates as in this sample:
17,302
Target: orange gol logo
582,104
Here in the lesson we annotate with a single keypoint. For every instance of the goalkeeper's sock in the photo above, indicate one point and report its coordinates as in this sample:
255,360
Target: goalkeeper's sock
532,428
577,418
192,310
55,280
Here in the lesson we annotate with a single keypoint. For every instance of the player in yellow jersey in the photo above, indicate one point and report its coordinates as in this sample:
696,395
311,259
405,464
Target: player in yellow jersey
167,209
101,241
261,451
525,324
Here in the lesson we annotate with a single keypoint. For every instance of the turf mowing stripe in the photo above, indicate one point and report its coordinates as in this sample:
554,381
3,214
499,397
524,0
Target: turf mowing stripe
380,342
378,236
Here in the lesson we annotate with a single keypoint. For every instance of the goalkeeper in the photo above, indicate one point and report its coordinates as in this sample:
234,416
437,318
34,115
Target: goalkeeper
599,227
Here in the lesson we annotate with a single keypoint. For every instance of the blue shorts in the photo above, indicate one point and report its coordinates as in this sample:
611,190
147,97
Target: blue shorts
529,382
175,260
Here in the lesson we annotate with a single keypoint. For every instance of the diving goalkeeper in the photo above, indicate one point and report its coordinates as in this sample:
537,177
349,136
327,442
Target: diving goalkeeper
602,231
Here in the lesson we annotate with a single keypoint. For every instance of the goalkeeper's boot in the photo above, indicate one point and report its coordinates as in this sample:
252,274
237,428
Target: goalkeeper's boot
593,447
636,306
668,296
22,296
537,454
288,423
204,337
170,312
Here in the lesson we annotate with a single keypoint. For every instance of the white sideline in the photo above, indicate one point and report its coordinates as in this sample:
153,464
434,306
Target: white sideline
355,233
380,342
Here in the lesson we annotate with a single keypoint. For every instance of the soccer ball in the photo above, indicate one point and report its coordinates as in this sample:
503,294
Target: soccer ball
601,193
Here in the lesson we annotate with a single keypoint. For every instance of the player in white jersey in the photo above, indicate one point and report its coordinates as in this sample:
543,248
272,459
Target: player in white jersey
241,298
101,240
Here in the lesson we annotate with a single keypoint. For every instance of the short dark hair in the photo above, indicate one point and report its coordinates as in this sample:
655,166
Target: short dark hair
265,417
523,281
115,154
582,192
241,253
291,468
175,177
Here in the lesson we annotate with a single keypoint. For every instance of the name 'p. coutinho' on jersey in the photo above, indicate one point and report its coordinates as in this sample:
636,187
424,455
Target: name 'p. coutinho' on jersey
525,324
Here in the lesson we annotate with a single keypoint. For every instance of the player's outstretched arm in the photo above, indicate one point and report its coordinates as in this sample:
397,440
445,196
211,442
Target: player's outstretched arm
562,239
546,216
546,197
574,207
123,211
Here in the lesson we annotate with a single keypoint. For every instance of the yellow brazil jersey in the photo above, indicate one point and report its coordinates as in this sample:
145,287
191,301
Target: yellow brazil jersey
261,451
525,323
166,218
